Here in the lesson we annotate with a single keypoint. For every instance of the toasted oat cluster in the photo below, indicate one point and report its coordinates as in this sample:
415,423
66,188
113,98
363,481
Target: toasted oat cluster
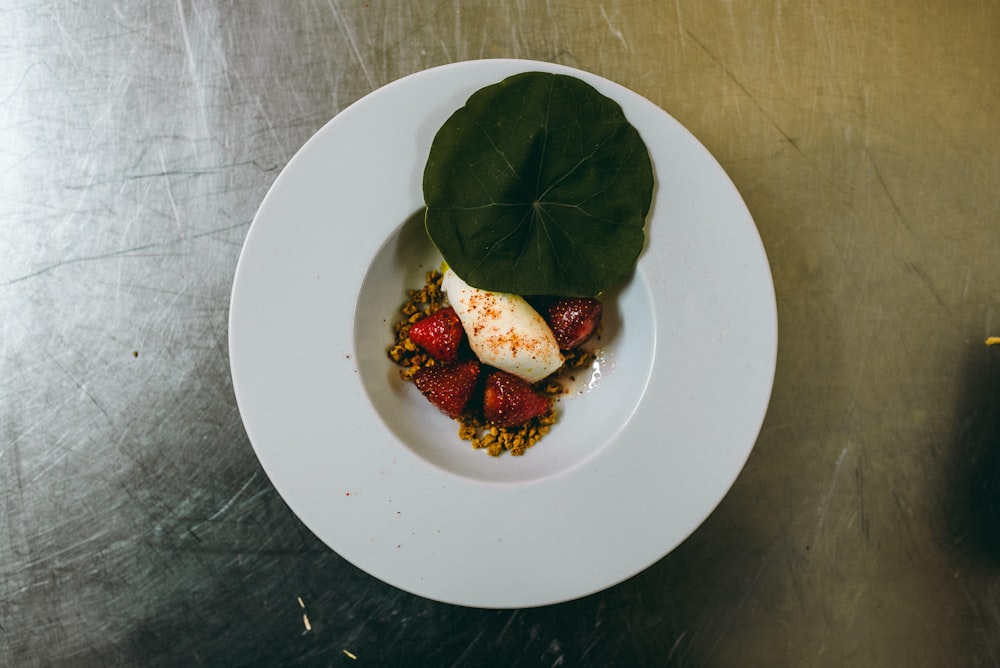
496,439
450,377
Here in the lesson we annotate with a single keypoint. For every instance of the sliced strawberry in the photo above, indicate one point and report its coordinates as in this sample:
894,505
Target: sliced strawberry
509,401
573,320
448,386
440,334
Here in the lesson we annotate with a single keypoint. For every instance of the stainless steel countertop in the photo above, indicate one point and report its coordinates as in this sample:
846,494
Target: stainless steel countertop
136,141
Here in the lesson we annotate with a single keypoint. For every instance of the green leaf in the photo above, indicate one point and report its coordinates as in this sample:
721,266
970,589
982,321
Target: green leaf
539,185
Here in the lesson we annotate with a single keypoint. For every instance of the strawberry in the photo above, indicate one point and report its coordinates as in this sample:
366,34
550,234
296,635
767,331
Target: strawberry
440,334
573,320
510,401
448,386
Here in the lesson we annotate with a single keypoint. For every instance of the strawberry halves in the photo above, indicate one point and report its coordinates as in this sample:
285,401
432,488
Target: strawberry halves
440,334
573,320
448,386
509,401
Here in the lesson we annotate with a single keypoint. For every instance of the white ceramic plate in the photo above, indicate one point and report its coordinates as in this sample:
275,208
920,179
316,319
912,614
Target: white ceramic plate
631,468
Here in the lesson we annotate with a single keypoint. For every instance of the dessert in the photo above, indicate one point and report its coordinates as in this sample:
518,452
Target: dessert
496,409
536,193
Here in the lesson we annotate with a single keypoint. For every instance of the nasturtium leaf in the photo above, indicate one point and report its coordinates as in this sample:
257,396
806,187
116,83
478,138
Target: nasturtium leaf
539,185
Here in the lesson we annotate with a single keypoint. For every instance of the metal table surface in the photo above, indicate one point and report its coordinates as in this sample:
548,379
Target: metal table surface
136,141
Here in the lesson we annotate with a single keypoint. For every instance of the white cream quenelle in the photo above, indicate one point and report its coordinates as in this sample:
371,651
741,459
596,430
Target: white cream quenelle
504,330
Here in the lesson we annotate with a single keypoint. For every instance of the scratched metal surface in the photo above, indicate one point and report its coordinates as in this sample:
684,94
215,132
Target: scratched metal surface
136,140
